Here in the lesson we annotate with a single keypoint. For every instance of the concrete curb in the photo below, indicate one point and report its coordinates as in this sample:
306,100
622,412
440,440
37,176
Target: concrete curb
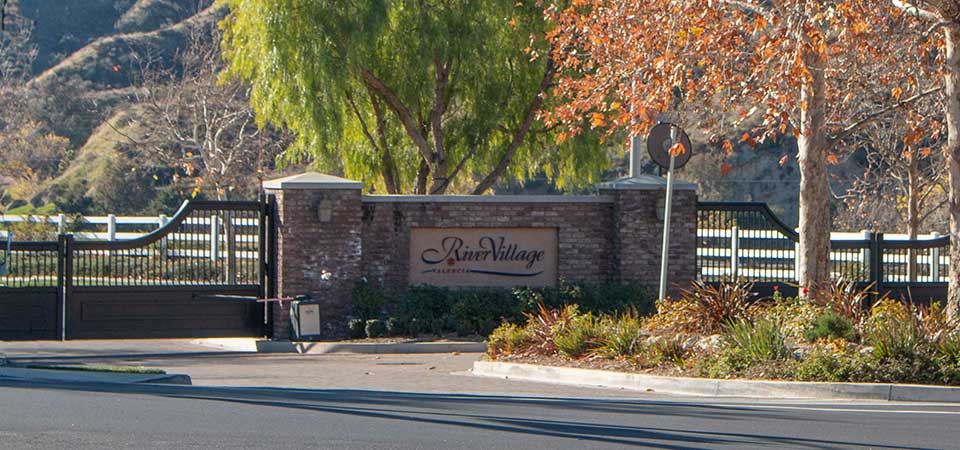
717,388
318,348
84,376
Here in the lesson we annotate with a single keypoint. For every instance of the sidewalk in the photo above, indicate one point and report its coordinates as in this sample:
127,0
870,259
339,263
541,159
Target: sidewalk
318,348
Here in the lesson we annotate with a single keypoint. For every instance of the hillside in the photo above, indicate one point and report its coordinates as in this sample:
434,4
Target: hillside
112,61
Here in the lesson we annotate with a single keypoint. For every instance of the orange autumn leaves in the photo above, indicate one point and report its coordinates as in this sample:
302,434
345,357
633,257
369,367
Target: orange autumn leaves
722,65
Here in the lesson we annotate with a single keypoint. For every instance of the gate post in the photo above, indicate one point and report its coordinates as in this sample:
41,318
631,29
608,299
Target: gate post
639,207
876,263
64,278
319,218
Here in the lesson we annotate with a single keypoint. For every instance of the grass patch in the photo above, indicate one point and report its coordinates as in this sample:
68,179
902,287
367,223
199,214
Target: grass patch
99,368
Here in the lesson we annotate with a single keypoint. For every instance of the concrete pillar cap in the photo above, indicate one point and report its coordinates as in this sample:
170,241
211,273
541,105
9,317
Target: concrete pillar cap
646,183
312,180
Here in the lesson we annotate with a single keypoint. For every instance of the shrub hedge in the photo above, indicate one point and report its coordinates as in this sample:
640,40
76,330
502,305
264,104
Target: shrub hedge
436,310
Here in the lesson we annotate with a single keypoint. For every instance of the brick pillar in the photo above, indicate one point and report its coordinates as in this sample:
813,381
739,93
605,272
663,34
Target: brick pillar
318,246
638,231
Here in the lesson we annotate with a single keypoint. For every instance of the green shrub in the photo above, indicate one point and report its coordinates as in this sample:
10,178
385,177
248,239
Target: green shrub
375,328
623,337
357,328
589,297
948,357
395,327
412,327
761,340
829,325
905,369
794,313
949,348
895,333
823,365
508,339
583,334
480,311
427,305
368,301
729,362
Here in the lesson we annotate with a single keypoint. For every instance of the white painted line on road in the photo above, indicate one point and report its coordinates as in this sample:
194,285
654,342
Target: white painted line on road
839,410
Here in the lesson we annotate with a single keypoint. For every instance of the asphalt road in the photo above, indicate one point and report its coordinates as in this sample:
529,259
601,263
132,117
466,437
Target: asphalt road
95,416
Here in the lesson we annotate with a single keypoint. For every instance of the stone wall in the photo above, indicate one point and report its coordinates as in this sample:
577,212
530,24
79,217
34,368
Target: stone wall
329,236
583,231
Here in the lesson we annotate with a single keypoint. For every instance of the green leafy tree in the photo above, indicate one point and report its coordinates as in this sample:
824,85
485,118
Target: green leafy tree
424,96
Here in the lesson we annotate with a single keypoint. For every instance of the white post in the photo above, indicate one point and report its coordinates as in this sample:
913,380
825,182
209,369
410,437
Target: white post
634,156
865,252
231,250
935,260
665,251
61,223
796,262
214,238
111,227
162,222
735,252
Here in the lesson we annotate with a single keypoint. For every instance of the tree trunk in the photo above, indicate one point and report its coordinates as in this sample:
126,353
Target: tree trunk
951,86
389,170
439,173
813,260
420,184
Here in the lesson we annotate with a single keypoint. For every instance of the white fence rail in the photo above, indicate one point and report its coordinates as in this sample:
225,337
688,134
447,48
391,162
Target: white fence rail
209,230
746,245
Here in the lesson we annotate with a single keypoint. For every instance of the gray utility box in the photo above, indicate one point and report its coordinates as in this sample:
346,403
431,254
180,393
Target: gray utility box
305,319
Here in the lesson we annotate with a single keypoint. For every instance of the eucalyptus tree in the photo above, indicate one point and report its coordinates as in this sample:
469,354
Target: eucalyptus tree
425,96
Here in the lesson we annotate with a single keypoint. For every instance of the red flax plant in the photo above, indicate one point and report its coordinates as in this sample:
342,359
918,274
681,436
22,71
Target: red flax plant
815,69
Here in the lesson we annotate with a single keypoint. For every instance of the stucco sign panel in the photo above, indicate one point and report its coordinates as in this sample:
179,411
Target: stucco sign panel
477,257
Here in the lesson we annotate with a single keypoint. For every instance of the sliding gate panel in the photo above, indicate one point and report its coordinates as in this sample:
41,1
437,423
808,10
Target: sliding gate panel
197,276
30,292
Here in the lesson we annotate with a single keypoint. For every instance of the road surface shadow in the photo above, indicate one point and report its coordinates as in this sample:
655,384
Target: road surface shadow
508,414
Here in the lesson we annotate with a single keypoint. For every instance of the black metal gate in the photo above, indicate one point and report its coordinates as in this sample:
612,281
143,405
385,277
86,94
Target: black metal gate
30,292
198,275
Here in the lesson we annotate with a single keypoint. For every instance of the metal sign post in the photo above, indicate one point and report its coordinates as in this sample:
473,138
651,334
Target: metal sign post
668,202
661,141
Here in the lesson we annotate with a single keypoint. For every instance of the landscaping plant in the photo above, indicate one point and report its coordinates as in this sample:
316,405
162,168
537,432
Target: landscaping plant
508,339
376,328
829,325
707,308
624,335
368,301
849,301
580,336
900,343
761,340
